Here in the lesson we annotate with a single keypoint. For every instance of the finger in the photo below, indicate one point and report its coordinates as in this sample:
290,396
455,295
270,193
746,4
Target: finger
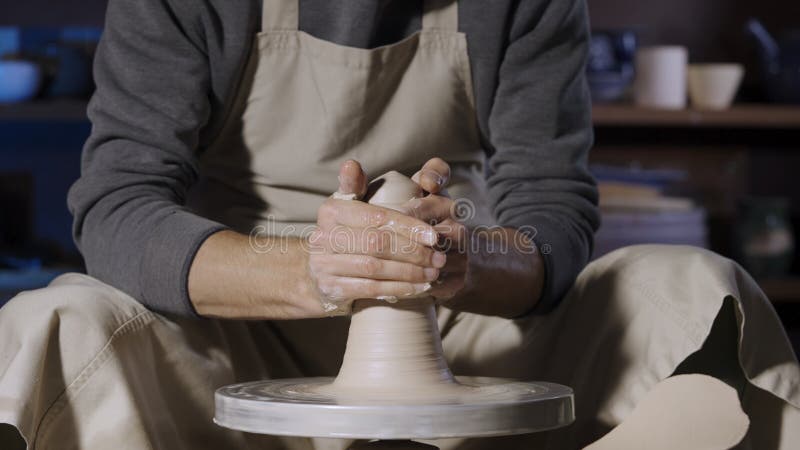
453,235
362,266
349,288
448,287
364,288
352,179
431,209
434,175
349,214
377,243
456,263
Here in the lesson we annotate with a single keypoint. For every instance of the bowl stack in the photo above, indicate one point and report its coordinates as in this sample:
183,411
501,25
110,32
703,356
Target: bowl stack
635,210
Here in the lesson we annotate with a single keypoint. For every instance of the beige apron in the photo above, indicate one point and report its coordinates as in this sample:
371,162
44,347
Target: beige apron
83,365
306,105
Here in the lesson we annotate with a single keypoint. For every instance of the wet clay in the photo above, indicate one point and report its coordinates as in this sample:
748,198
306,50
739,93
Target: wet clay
394,382
394,350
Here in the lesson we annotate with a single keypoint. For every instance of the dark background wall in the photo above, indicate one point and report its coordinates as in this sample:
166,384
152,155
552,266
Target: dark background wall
52,12
711,29
46,149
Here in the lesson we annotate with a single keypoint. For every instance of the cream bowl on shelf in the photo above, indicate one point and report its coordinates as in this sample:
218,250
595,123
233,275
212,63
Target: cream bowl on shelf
714,86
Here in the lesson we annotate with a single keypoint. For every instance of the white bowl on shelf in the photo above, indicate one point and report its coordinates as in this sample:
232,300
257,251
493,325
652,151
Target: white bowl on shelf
714,86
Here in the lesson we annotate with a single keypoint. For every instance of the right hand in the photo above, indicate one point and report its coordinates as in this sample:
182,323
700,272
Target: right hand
364,251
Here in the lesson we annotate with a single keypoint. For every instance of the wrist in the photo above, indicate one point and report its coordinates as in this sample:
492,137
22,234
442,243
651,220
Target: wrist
505,261
233,277
304,293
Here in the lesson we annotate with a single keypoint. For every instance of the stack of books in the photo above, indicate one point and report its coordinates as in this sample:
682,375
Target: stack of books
636,209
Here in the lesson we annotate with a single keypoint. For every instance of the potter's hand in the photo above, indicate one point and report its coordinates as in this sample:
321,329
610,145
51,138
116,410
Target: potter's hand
437,208
480,264
433,176
364,251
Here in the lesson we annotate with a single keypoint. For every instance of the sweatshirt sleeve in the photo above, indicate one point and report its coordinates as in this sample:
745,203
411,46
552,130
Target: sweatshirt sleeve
130,221
540,130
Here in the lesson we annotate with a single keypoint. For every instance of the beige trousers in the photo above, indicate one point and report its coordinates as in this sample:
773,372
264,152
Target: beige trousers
84,366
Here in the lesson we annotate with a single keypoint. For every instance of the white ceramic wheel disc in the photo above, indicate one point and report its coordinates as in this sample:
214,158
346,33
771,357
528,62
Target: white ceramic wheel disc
488,407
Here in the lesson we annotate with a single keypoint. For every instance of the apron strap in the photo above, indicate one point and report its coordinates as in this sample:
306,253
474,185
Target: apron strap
280,15
440,15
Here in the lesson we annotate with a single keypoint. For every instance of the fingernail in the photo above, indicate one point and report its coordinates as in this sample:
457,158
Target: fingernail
419,288
433,178
431,273
387,298
428,236
439,259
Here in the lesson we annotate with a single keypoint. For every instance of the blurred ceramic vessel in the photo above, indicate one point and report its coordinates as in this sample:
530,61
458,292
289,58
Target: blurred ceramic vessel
661,77
610,66
764,237
19,81
780,63
714,86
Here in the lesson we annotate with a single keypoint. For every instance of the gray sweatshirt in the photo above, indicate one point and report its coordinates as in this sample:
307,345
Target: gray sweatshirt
166,71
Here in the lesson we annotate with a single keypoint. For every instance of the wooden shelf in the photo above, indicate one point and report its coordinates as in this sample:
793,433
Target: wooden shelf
743,116
740,116
782,290
50,110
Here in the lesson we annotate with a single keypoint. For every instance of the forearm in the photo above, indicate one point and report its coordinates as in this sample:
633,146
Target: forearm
540,132
231,279
505,274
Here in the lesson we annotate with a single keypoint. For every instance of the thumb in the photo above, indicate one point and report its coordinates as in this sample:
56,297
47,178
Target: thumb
352,179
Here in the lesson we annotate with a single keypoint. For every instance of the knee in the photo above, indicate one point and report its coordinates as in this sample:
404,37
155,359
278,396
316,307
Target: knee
673,268
676,258
73,305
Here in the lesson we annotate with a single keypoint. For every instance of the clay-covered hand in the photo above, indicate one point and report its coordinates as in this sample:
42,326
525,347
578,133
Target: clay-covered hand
480,263
437,209
365,251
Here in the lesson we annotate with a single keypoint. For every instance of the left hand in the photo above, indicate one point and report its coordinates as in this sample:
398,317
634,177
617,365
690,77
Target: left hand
479,265
437,209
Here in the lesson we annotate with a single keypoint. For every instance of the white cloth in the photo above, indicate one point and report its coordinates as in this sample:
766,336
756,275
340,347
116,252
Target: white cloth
84,366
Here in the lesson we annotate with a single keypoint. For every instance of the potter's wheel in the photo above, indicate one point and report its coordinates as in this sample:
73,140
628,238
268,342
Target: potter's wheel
484,407
394,382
